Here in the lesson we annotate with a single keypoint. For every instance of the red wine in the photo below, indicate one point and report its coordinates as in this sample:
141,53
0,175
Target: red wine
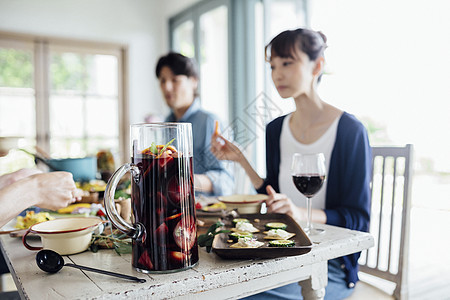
308,185
164,201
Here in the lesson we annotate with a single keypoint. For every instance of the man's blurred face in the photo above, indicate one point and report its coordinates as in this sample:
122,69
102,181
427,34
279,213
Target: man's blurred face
178,90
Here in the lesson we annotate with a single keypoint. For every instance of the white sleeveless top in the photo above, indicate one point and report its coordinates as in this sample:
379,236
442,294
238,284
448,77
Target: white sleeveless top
288,146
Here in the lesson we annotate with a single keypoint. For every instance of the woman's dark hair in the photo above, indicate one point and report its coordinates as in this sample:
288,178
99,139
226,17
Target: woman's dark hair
178,63
287,43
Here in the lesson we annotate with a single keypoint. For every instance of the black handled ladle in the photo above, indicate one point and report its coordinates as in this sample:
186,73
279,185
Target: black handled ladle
51,262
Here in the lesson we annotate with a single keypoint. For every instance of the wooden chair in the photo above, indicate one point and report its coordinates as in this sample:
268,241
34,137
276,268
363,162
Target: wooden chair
390,217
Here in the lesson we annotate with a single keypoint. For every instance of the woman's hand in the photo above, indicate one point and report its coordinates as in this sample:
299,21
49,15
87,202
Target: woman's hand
54,190
47,190
224,149
280,203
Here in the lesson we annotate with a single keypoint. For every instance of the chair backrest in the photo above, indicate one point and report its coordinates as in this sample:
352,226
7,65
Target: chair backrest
390,214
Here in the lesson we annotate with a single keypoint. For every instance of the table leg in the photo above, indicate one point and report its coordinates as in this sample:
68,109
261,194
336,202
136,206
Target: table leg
314,287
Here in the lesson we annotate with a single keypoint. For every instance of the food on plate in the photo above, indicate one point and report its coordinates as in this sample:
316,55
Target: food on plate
245,227
247,243
32,218
278,234
275,225
92,186
282,243
235,236
206,239
69,209
215,207
236,220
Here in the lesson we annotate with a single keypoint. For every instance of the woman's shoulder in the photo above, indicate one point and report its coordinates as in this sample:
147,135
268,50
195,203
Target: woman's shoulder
276,124
349,123
351,132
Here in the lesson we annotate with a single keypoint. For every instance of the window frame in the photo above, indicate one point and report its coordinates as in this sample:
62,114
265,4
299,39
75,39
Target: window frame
240,92
41,47
193,14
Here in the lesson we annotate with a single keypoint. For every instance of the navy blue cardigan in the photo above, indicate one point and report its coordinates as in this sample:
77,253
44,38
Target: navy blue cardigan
347,201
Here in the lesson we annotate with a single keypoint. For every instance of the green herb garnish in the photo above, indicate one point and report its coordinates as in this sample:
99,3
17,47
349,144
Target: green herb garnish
206,240
157,150
165,146
121,243
153,148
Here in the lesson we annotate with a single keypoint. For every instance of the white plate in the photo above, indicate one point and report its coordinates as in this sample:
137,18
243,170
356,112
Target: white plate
243,199
9,226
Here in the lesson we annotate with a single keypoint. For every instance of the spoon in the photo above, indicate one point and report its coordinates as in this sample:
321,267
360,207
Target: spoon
51,262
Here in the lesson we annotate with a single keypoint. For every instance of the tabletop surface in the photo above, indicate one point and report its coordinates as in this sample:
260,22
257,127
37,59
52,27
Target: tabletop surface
213,276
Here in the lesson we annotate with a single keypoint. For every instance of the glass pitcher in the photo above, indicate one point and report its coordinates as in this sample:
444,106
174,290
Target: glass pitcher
164,229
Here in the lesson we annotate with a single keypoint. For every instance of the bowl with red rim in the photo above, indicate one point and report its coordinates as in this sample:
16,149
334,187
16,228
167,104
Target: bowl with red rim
244,204
65,235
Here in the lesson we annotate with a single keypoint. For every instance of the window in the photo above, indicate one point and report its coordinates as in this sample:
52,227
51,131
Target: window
202,33
183,39
277,16
83,103
281,15
66,100
214,60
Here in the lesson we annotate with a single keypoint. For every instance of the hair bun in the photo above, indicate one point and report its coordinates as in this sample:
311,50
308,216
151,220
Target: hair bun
323,36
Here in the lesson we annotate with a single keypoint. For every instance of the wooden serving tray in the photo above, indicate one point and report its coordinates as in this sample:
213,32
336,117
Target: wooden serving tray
303,244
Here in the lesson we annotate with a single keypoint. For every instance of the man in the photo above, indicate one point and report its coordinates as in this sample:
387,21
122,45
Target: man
178,80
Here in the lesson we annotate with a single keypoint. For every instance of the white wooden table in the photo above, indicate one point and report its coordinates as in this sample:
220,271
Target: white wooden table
212,278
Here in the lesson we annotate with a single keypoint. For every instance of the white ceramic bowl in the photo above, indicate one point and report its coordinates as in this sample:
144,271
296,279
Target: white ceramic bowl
64,235
244,204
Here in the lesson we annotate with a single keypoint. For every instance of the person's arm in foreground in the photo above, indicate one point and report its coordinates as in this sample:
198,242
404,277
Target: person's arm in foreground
48,190
10,178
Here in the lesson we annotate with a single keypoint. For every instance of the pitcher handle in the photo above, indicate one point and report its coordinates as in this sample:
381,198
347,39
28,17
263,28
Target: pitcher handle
135,231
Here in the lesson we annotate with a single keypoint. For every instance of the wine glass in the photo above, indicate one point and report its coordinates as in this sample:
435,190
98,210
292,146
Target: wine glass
308,173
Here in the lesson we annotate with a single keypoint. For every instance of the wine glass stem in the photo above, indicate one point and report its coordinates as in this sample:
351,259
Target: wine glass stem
308,216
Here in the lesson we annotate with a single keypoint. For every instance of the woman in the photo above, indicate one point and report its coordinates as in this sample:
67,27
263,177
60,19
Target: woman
178,81
297,60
